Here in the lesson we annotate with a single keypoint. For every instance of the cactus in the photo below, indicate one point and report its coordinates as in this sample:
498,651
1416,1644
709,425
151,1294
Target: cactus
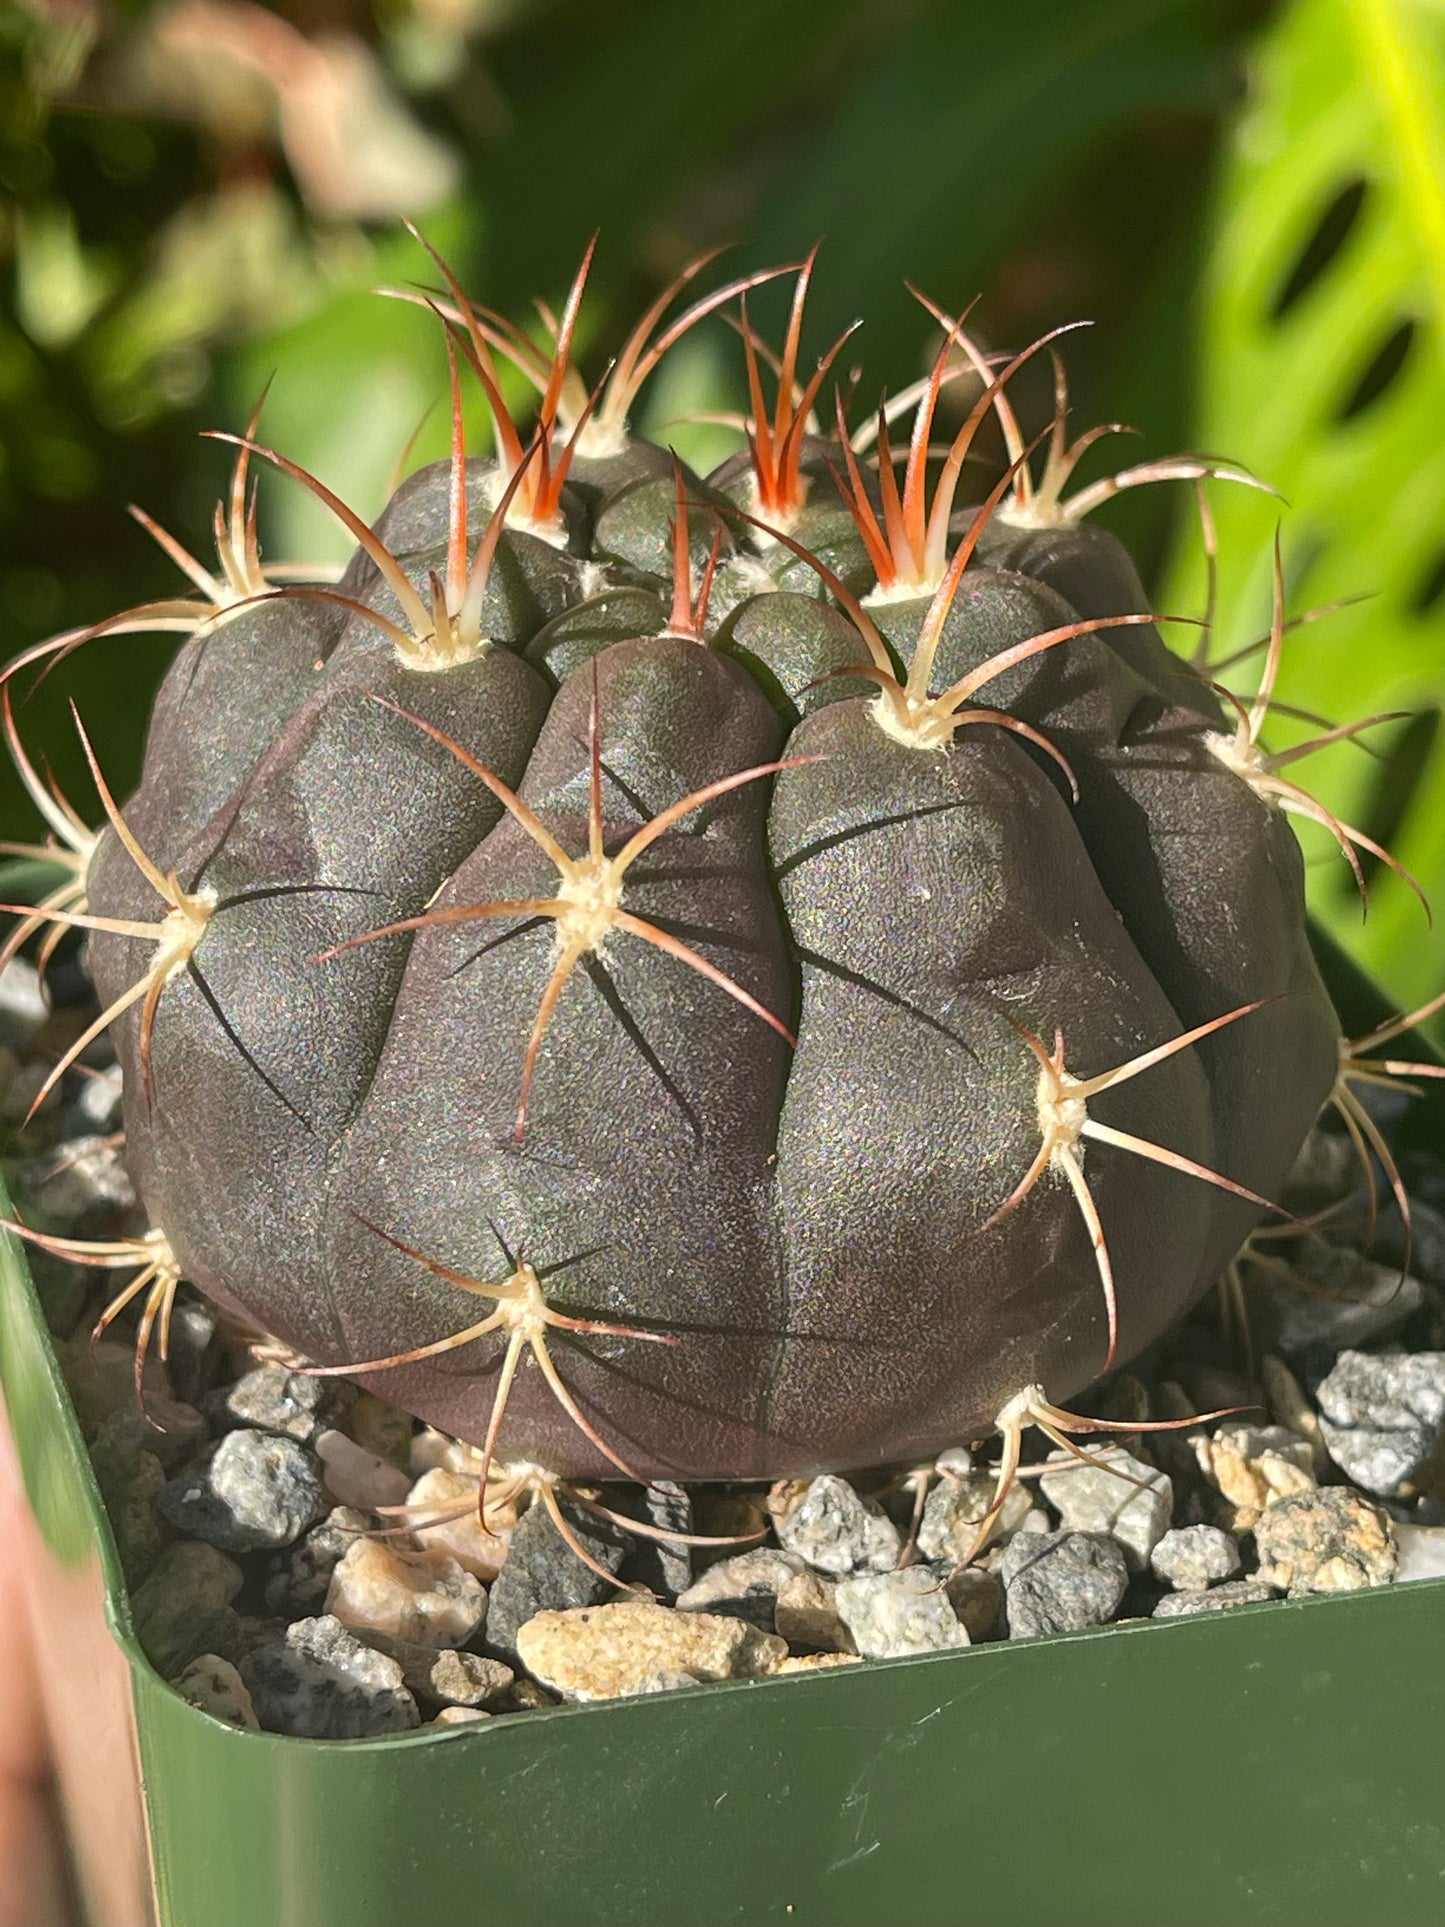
711,977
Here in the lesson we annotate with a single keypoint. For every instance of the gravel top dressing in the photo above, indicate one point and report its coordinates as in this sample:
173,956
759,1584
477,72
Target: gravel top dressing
305,1558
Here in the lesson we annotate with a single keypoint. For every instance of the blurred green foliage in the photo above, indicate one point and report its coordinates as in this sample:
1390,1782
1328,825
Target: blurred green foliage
1322,366
201,193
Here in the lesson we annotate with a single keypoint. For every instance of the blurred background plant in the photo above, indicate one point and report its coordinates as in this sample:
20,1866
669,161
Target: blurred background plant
1248,200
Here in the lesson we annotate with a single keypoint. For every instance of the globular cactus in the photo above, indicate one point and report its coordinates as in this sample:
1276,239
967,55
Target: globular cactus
709,978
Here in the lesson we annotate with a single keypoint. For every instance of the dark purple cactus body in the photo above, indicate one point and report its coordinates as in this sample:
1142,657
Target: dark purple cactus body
813,1231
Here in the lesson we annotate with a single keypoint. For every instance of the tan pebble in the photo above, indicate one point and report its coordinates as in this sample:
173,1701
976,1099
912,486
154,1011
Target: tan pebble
1332,1540
1255,1466
459,1716
433,1451
1338,1575
976,1597
465,1538
785,1496
468,1679
357,1477
214,1685
421,1596
524,1696
599,1652
807,1614
813,1663
1290,1407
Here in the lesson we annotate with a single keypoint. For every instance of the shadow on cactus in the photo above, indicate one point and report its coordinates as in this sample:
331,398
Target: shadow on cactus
813,917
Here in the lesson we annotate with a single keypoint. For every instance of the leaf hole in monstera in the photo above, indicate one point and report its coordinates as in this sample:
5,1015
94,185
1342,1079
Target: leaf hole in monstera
1324,242
1431,587
1381,372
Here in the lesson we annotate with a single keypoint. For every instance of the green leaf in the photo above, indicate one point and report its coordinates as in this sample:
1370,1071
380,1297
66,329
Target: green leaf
354,381
1329,258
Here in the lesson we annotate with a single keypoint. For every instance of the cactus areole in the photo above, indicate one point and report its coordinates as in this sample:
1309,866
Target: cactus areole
701,977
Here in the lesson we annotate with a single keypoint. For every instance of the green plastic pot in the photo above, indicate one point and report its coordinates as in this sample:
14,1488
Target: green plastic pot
1280,1763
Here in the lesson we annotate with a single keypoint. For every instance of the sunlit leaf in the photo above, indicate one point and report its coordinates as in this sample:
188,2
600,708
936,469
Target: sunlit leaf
1323,368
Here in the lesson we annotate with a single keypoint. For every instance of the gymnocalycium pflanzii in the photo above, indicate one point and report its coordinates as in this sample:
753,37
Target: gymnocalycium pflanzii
708,977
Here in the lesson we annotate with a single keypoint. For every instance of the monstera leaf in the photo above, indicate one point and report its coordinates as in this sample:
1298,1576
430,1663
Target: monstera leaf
1323,368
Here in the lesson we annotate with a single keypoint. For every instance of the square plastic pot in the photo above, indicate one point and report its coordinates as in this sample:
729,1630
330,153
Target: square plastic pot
1280,1763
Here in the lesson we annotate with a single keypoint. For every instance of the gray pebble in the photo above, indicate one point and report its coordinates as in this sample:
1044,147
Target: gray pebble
64,1290
1427,1242
1421,1551
184,1606
256,1631
195,1352
130,1484
745,1587
324,1684
449,1677
271,1399
1382,1417
1359,1301
543,1574
890,1614
255,1491
1094,1498
213,1684
1234,1592
24,1007
80,1186
1192,1558
298,1581
22,1089
956,1507
1327,1168
834,1530
94,1111
170,1431
1060,1582
664,1566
